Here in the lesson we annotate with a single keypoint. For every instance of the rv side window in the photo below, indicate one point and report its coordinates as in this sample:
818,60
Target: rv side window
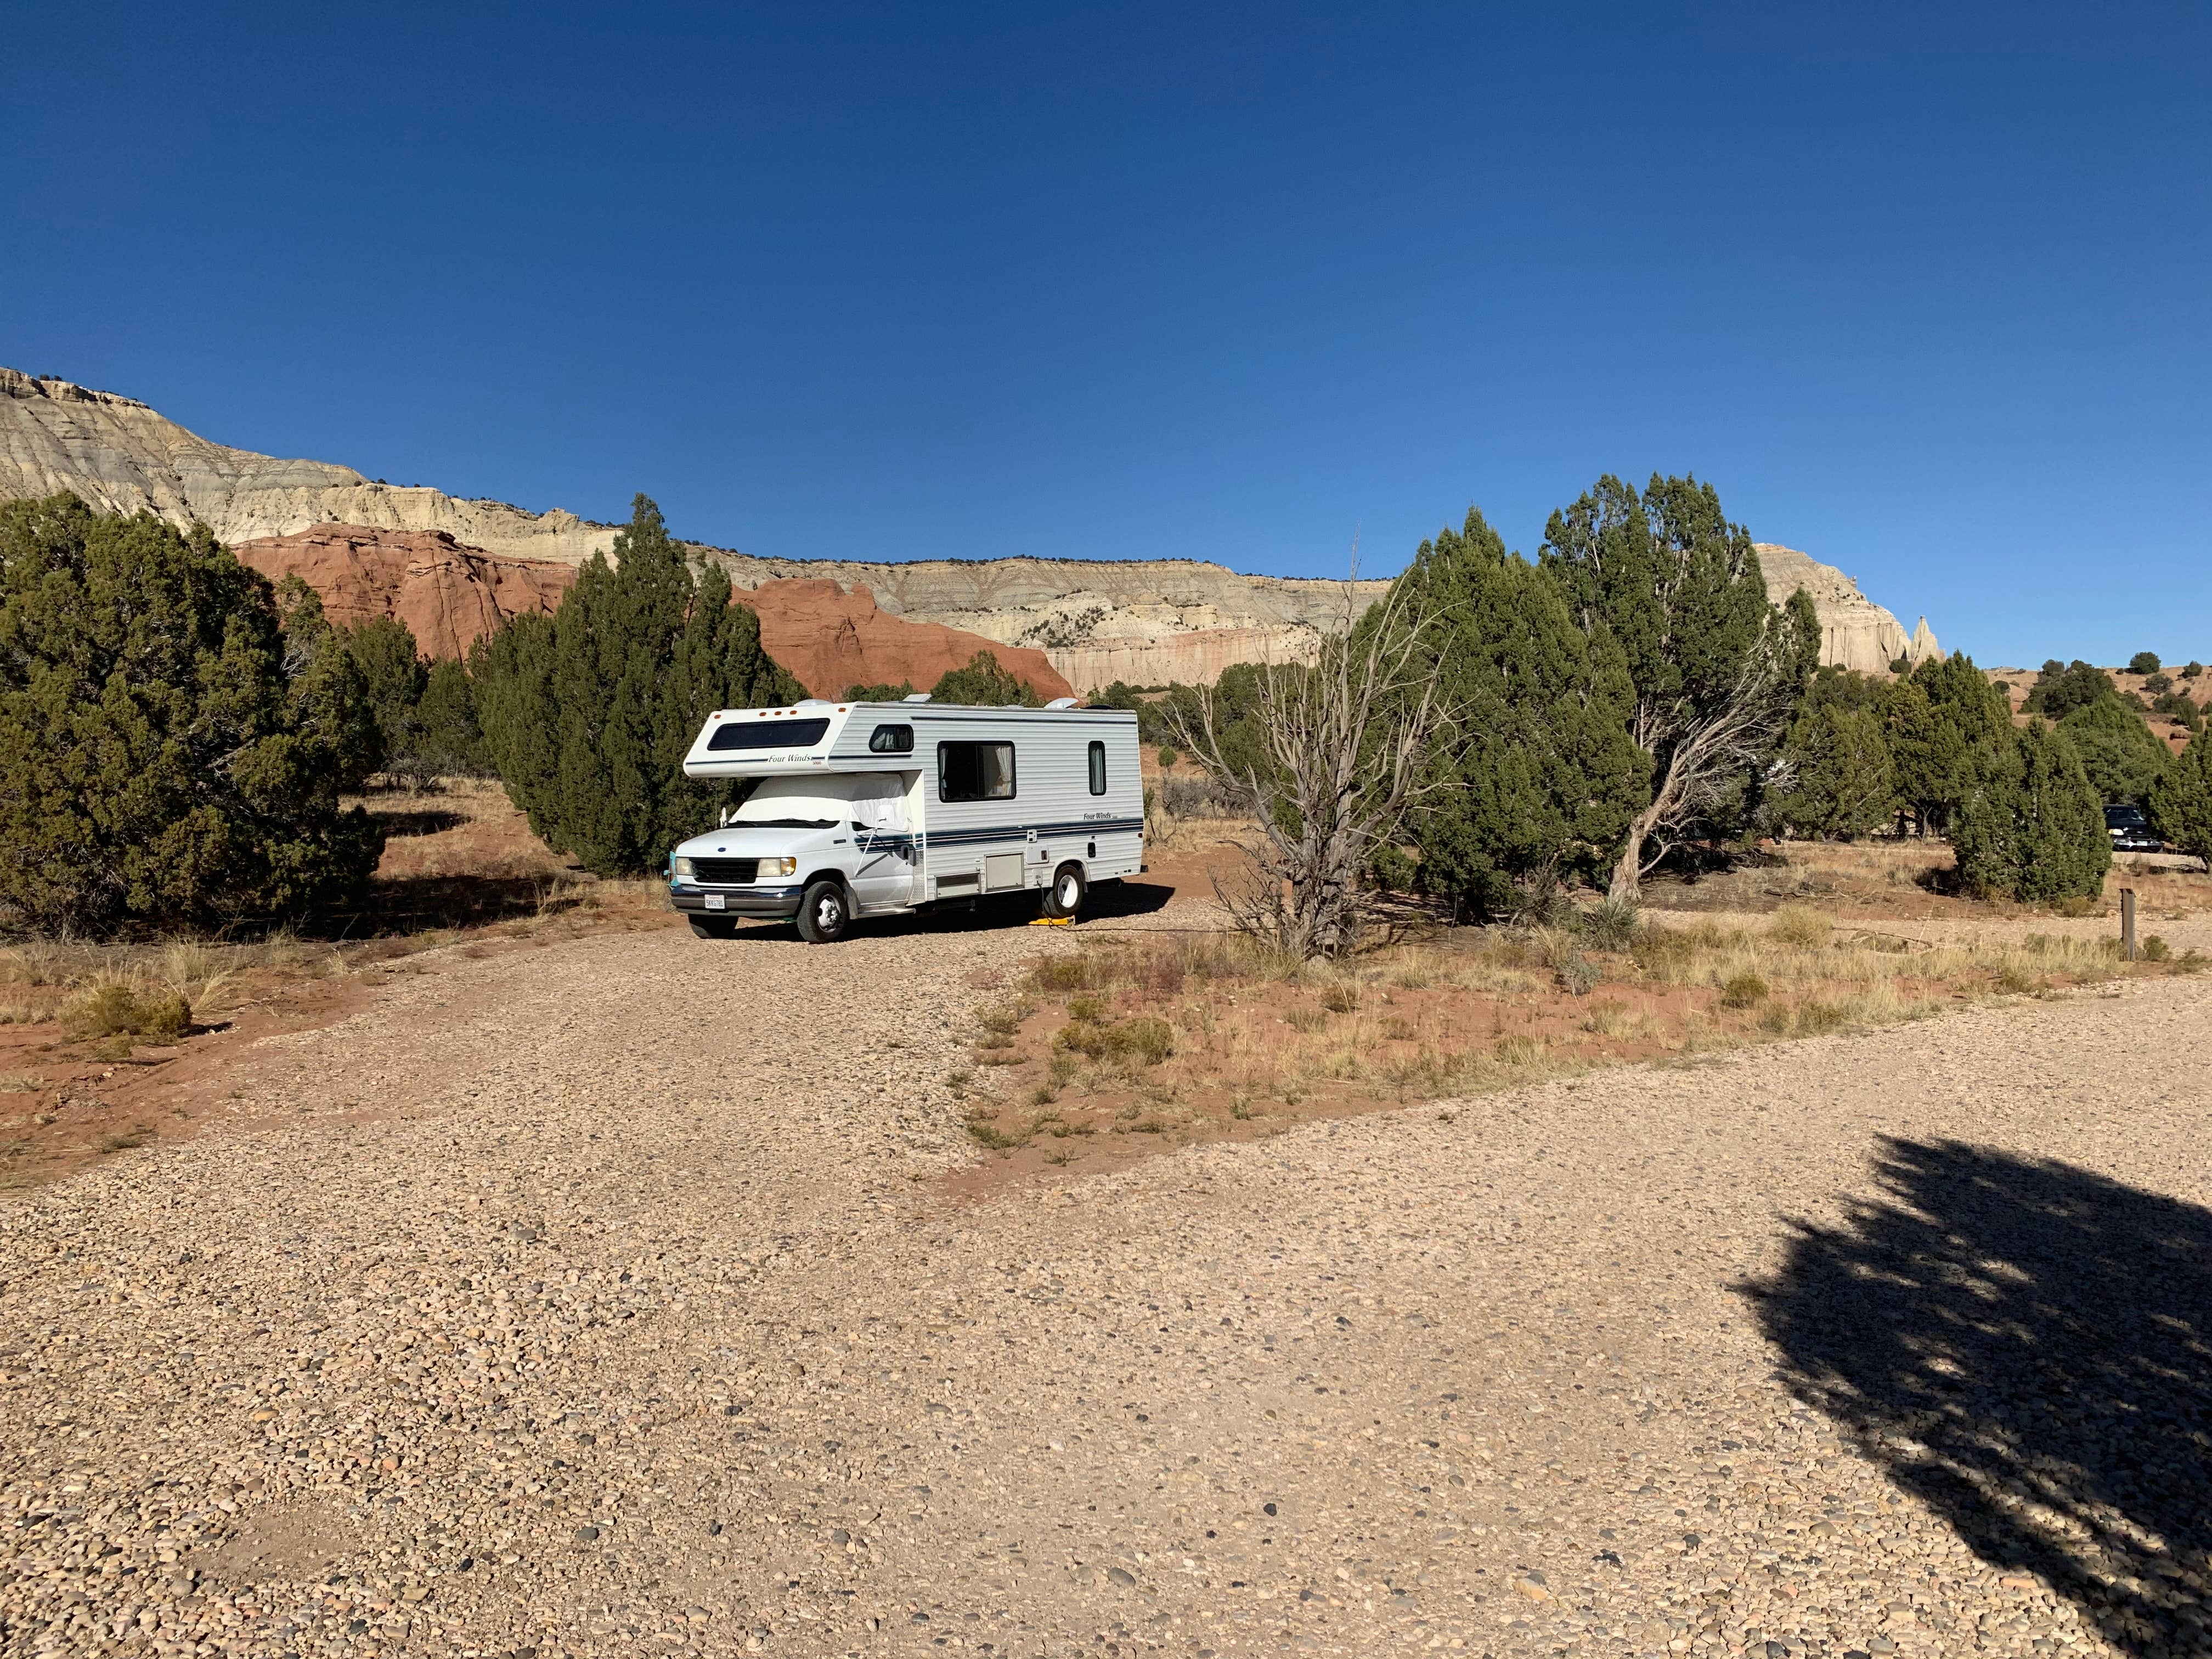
765,735
892,740
1098,768
974,771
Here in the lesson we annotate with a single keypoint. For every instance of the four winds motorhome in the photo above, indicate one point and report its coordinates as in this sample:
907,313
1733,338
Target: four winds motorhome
867,809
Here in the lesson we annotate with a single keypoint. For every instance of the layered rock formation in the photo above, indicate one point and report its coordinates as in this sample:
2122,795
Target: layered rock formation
449,595
122,456
1855,631
833,639
1149,622
1145,620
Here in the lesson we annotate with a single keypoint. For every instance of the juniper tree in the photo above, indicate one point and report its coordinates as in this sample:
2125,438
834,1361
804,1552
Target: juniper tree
1538,777
158,766
2122,755
2058,692
588,715
1841,780
1939,721
329,694
2030,826
392,678
451,739
1715,668
2181,799
982,682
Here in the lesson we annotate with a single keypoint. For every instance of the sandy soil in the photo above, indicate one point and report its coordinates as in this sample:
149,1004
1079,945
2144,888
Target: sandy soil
599,1298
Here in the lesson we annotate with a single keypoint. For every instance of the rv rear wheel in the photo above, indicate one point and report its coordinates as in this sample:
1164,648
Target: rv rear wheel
1064,896
824,914
714,927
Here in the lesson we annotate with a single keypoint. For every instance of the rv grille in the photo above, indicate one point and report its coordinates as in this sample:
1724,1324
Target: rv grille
727,872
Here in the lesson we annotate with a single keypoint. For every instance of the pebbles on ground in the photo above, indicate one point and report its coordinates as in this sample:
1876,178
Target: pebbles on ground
596,1300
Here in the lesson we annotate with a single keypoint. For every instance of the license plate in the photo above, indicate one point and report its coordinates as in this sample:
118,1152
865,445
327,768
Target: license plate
717,902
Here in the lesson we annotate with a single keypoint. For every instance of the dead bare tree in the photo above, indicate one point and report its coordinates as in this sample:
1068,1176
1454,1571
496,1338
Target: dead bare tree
1710,751
1330,766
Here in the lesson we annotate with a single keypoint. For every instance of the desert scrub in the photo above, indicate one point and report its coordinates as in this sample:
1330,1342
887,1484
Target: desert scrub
1611,924
113,1009
1142,1040
1797,925
1002,1023
1743,991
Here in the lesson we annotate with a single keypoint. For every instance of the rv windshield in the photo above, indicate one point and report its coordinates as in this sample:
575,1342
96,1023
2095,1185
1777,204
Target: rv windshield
818,803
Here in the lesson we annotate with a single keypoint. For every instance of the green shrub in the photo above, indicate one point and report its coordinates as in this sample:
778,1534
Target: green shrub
167,758
2154,949
1743,991
1611,924
2143,662
1146,1039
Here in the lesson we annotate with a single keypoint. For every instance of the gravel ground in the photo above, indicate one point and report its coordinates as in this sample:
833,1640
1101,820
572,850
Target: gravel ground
600,1299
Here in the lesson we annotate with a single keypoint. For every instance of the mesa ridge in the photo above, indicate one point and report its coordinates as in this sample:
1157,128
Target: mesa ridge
1148,621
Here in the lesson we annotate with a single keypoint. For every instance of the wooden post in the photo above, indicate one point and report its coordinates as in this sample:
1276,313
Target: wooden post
2128,922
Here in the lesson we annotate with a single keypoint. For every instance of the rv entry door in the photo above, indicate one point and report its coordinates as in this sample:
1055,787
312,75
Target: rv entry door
889,865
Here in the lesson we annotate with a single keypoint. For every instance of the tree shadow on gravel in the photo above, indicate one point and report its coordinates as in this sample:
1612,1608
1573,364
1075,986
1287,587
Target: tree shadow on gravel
2028,1347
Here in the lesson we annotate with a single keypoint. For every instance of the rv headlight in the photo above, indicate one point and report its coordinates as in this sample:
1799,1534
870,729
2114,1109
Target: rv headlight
682,870
779,866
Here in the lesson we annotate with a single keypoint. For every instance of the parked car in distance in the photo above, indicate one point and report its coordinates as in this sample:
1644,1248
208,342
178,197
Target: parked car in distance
2131,830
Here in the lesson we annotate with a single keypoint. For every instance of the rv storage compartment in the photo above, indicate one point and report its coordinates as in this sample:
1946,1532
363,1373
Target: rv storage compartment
1002,871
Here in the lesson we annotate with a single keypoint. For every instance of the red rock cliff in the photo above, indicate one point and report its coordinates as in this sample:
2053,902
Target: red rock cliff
834,639
450,595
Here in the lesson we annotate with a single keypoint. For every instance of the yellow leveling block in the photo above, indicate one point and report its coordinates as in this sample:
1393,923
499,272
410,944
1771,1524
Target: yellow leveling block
1054,922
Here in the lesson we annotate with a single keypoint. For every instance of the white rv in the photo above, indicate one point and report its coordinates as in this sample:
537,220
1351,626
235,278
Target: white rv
868,809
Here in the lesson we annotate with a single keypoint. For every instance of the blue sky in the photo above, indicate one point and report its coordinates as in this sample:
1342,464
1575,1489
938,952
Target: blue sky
1922,289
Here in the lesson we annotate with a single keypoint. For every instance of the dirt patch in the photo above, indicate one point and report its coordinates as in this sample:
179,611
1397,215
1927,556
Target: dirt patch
284,1542
462,877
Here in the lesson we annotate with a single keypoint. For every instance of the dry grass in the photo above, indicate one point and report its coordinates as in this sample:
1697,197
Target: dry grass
1181,1032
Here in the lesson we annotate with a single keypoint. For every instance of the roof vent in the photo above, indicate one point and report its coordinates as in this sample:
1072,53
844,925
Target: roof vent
1061,702
918,696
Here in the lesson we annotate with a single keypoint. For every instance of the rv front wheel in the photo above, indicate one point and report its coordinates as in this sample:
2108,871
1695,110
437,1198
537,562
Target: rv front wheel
1064,896
824,912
